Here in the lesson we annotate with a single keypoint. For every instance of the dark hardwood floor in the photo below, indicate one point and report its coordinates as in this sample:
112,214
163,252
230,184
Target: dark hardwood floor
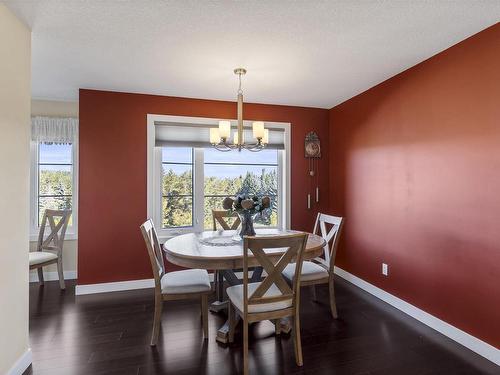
109,334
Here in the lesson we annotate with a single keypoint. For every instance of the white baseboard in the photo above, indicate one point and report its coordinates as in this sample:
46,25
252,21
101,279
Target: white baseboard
473,343
125,285
97,288
114,287
52,276
22,363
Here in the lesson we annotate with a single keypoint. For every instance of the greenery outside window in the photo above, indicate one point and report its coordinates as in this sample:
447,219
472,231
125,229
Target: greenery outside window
53,182
177,187
244,172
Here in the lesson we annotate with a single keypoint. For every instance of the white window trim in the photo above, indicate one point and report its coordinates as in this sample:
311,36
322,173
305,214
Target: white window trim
154,175
72,230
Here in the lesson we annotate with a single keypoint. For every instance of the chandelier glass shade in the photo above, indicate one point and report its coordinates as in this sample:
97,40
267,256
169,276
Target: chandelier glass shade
220,137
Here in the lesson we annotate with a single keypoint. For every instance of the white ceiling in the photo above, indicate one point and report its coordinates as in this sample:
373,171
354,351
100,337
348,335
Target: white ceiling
307,53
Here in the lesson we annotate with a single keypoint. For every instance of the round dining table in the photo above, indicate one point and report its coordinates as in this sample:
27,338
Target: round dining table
223,251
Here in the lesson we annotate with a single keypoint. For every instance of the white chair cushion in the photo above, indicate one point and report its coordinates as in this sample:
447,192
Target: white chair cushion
38,257
235,294
188,281
310,271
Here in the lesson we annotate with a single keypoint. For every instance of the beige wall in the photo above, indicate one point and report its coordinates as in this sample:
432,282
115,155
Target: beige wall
70,255
15,81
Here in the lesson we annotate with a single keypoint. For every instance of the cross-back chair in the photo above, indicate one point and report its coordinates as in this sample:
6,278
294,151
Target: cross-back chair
49,249
219,218
272,298
320,270
187,284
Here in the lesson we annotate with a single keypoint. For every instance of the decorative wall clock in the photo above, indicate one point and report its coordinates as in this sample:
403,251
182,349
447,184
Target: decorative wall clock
312,151
312,146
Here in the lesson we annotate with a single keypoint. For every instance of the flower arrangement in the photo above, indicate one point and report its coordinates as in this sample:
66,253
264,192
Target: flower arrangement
247,207
244,202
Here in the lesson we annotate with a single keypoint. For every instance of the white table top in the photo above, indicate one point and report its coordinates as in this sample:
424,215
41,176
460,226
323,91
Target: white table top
219,250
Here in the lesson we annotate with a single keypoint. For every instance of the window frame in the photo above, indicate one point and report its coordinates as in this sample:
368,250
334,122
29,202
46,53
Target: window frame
193,185
158,194
72,230
154,174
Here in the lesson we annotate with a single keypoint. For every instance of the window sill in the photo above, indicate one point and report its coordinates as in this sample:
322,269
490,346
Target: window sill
68,237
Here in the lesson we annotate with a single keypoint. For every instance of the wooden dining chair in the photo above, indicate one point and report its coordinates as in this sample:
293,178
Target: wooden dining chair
272,298
187,284
49,249
219,217
320,270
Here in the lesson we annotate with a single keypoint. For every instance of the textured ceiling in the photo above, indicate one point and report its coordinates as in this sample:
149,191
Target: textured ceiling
307,53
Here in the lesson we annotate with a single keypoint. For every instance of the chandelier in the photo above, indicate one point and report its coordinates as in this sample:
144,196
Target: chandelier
219,137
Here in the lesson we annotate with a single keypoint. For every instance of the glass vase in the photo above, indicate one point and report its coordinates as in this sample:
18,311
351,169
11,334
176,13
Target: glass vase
247,228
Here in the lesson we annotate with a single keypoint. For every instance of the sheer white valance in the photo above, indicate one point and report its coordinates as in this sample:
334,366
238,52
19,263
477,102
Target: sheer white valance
54,129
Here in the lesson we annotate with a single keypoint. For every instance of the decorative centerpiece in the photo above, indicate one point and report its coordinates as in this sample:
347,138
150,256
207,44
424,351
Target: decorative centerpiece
247,207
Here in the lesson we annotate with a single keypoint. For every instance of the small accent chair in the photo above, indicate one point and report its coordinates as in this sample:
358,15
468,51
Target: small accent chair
320,270
271,299
49,249
176,285
219,217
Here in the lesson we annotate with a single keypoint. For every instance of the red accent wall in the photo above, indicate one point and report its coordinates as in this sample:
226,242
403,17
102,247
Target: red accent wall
415,169
112,173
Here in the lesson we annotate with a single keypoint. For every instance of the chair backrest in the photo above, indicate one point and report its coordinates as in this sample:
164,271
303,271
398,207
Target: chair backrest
331,236
294,245
58,223
154,250
219,216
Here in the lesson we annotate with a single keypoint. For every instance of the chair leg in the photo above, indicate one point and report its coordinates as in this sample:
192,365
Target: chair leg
156,320
40,275
333,305
313,292
277,327
60,272
296,340
204,315
245,347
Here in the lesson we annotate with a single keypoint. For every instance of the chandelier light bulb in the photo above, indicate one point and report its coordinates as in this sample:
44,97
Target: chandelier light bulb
265,138
214,136
224,129
236,139
258,129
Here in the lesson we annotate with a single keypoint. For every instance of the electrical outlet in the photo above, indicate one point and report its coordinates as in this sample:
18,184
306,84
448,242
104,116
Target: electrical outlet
385,269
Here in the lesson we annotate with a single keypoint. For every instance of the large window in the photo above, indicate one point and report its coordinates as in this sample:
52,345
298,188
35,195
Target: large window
187,178
52,182
214,175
